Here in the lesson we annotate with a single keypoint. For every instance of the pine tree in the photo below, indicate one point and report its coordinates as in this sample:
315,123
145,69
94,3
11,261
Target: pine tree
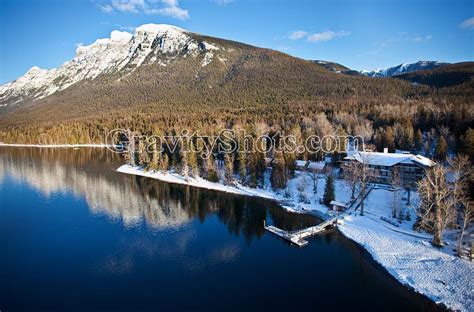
192,159
164,166
156,159
201,159
129,153
242,157
211,168
261,166
132,148
441,149
279,177
418,140
388,139
144,157
229,168
467,146
329,191
251,165
427,149
184,155
290,161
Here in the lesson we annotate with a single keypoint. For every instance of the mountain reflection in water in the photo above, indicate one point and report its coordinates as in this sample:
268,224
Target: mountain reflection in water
89,173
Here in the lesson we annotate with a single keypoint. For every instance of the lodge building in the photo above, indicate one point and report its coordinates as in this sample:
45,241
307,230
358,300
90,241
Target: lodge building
410,167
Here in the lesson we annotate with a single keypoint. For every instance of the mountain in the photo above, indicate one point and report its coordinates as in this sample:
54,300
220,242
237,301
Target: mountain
444,76
122,52
337,68
162,67
403,69
164,79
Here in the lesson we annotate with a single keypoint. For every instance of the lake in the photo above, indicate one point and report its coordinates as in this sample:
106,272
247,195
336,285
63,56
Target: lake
76,235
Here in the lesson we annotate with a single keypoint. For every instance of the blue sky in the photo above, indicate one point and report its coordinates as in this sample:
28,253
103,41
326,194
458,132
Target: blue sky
358,34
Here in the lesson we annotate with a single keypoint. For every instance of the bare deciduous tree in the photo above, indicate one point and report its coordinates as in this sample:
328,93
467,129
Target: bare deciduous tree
442,192
461,173
434,210
360,176
366,176
350,176
467,216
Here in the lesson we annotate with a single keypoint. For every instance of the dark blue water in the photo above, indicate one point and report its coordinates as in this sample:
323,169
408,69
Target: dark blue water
75,235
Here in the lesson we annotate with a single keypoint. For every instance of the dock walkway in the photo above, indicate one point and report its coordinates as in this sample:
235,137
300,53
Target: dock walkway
298,237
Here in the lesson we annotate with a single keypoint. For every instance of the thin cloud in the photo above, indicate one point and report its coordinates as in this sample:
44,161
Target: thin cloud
125,28
150,7
468,23
398,38
317,37
403,37
420,39
298,34
128,6
327,35
222,2
106,8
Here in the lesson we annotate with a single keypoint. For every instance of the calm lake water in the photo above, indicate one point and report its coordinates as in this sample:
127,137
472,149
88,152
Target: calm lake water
76,235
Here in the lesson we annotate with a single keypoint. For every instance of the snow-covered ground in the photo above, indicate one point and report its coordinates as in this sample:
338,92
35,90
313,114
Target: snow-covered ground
440,276
407,255
299,196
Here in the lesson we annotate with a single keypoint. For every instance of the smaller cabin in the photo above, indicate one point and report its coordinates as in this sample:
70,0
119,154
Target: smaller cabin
310,166
338,206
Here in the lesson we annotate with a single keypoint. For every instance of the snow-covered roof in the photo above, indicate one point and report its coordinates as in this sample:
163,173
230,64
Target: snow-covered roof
389,159
301,163
312,165
336,203
316,165
423,161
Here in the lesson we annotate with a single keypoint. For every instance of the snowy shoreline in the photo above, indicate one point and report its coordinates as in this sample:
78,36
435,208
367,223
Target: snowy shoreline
406,255
54,145
238,189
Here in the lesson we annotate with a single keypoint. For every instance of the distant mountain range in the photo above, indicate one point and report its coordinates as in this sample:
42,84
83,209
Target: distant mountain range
403,69
385,72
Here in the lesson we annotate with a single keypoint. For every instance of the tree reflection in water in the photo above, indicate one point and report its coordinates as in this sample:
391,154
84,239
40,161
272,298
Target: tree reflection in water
89,173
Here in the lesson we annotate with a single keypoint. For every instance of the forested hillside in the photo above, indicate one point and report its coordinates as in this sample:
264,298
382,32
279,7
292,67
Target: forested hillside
250,88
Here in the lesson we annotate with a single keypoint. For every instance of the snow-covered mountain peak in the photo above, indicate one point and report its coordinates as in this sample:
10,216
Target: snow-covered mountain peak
159,29
34,70
121,52
402,69
120,36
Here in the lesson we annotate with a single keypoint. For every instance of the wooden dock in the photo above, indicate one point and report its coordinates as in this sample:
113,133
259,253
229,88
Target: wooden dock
298,237
286,235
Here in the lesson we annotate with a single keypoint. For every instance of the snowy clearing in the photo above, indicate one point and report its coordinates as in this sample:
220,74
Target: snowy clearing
414,262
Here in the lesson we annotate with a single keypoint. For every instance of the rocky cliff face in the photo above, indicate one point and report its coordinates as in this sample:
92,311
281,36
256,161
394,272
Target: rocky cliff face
122,52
